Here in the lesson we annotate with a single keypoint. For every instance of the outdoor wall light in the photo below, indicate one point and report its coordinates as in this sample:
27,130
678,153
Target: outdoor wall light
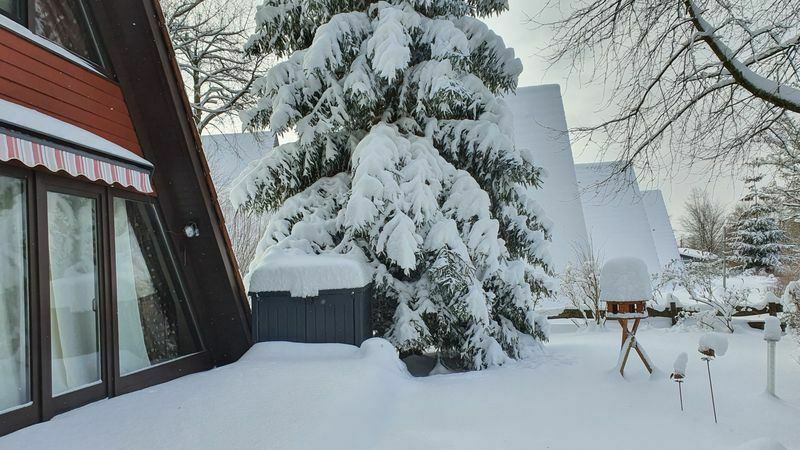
191,230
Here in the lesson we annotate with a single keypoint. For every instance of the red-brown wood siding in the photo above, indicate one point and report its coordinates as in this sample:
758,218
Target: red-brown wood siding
39,79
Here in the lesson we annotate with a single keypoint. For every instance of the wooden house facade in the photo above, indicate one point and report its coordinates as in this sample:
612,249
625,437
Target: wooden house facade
116,272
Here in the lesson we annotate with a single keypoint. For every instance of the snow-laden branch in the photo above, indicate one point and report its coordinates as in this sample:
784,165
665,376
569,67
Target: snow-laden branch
779,94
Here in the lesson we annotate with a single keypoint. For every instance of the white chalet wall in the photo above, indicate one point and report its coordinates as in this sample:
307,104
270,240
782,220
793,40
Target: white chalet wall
541,126
615,215
663,234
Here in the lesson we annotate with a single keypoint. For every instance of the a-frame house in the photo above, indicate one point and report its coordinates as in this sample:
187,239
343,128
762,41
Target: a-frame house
115,269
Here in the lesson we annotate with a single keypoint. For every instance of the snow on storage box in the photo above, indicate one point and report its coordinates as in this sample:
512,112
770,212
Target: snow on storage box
310,298
541,126
615,216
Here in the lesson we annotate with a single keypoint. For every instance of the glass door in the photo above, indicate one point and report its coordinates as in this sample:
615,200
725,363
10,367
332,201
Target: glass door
74,298
15,373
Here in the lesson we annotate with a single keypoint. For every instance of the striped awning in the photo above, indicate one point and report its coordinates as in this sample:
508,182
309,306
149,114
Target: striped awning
33,153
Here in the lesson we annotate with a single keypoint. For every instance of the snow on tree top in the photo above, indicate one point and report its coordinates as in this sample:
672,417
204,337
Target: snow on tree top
625,279
304,275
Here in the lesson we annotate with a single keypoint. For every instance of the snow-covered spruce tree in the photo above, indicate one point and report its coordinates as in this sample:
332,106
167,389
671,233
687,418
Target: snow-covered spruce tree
757,237
405,157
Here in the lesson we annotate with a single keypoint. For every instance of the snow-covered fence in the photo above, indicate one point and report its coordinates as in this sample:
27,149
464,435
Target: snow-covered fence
674,311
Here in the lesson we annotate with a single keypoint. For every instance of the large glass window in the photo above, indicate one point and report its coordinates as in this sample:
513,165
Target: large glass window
153,323
74,291
14,351
13,8
68,24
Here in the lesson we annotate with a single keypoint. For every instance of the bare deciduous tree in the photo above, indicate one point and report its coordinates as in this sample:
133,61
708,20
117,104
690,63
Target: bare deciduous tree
580,284
208,37
783,158
703,222
704,77
245,228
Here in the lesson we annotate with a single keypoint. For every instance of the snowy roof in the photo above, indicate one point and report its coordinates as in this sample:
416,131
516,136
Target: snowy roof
624,279
31,120
696,254
615,215
229,154
663,235
541,126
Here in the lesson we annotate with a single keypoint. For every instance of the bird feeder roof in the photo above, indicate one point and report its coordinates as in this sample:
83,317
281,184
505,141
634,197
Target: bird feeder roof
625,280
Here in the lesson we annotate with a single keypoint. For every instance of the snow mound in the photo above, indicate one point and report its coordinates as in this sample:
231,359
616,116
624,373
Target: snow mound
376,352
304,275
625,279
761,444
380,349
715,342
679,368
772,329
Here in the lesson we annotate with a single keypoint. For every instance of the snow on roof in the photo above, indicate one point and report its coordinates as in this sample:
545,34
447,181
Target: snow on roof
696,254
624,279
229,154
663,235
615,216
31,120
541,126
304,275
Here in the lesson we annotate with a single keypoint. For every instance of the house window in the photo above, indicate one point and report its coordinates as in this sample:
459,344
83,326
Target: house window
13,9
151,310
75,297
14,322
68,24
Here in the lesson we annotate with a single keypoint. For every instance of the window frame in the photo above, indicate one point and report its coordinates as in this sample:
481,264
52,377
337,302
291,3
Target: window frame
28,15
29,413
24,10
43,406
168,370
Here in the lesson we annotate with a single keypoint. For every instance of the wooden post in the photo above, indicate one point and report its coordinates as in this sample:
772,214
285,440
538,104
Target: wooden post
772,309
673,312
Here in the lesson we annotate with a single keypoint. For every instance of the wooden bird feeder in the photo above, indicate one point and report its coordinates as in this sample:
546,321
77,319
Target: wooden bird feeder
625,287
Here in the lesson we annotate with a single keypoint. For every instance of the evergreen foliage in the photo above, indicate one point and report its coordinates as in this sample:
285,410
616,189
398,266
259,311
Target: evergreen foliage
405,159
757,237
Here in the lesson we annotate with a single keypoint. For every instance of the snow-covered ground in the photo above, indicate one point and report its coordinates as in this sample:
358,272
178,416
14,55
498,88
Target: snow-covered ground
292,396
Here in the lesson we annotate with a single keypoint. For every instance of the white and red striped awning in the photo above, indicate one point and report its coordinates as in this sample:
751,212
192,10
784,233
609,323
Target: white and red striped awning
32,154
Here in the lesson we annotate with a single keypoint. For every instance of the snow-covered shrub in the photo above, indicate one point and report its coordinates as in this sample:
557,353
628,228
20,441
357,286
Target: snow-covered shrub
699,281
405,157
580,284
791,307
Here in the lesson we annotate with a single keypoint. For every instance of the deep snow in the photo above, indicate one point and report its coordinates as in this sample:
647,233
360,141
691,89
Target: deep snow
292,396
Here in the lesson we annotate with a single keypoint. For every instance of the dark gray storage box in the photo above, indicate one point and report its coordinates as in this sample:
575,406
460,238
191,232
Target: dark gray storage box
333,316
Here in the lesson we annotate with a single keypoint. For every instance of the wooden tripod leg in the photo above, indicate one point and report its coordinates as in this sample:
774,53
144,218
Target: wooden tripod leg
643,357
623,323
624,353
635,326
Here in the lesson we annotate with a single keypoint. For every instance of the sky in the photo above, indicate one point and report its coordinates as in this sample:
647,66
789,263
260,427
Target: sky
585,102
